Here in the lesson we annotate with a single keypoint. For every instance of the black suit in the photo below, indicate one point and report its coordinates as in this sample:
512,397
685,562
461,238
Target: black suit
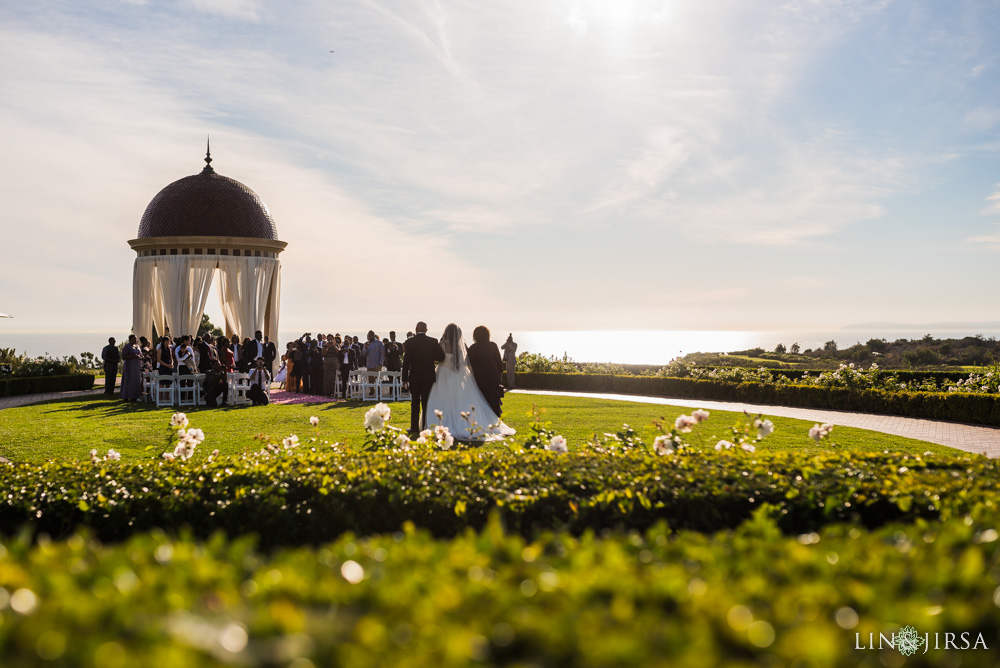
487,368
270,354
419,356
111,358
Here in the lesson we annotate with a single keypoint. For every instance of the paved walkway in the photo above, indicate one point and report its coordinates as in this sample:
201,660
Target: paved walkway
27,399
976,439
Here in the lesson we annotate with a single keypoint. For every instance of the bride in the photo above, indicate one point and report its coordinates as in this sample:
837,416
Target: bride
455,392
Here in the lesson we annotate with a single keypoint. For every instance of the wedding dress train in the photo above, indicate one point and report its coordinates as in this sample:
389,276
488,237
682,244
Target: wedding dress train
455,392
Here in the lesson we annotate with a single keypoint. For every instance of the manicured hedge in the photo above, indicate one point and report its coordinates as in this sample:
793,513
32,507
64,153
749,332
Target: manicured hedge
950,406
752,597
10,387
314,497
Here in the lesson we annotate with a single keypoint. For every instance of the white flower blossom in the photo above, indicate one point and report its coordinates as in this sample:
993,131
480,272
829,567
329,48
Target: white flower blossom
764,428
179,420
113,455
93,456
169,456
314,421
443,437
401,441
700,415
425,436
290,442
196,435
723,444
557,444
439,414
664,445
815,433
382,410
749,447
374,421
683,423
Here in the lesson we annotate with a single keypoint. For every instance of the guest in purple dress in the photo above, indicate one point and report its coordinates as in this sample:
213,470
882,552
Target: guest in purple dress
132,371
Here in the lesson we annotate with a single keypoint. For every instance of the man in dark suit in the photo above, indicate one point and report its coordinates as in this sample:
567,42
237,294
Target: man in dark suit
270,354
206,354
111,357
487,367
420,354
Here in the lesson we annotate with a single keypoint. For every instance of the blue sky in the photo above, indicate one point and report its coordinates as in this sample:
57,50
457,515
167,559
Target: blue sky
527,164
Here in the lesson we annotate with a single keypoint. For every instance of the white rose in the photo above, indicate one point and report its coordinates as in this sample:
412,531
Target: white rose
557,444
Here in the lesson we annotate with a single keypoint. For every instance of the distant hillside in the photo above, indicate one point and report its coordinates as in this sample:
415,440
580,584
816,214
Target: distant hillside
898,354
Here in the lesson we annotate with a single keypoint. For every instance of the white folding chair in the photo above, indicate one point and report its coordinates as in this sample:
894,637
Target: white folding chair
187,393
370,384
389,385
239,386
148,383
354,383
165,387
402,394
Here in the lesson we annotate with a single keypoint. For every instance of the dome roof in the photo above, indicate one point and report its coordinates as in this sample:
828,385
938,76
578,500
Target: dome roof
205,205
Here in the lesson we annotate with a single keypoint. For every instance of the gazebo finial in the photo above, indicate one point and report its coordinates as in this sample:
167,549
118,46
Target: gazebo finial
208,157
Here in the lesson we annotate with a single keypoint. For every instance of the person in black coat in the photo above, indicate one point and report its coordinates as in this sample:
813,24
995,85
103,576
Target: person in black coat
420,354
487,367
348,361
270,354
111,357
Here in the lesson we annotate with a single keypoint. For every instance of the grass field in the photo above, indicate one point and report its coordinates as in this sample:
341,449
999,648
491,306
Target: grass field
71,428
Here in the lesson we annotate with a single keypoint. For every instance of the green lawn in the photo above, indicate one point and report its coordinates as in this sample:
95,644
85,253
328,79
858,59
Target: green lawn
71,428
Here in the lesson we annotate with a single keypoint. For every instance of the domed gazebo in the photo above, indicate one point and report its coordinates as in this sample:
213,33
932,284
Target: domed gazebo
191,229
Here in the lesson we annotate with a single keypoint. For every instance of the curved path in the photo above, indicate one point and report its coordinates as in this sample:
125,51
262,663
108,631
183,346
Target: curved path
976,439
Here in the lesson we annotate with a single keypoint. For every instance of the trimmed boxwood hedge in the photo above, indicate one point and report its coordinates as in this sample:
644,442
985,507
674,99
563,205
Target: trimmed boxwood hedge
10,387
950,406
314,497
751,597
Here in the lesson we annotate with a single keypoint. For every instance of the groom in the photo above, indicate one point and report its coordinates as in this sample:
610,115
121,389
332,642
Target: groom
420,354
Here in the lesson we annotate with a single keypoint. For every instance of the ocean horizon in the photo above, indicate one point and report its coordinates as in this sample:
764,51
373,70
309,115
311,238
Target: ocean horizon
619,346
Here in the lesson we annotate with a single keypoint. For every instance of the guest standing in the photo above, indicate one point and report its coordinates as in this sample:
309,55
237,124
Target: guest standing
164,357
487,368
393,354
374,353
510,357
111,357
132,371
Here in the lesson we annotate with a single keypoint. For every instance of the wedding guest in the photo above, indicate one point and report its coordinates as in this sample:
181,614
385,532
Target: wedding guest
393,354
270,354
374,353
164,357
131,373
259,379
184,357
316,368
206,353
257,345
225,351
331,362
291,373
510,357
216,385
146,356
248,352
348,363
302,360
111,358
487,367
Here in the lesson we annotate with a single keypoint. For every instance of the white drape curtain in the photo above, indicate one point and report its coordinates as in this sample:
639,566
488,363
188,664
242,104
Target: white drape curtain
145,296
171,291
247,285
184,284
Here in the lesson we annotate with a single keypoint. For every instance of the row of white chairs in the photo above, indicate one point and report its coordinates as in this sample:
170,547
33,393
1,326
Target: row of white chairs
376,385
188,390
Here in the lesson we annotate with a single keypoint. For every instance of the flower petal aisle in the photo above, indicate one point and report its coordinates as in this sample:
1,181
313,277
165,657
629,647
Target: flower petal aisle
283,397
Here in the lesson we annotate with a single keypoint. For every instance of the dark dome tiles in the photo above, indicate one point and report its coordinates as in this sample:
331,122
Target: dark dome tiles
207,204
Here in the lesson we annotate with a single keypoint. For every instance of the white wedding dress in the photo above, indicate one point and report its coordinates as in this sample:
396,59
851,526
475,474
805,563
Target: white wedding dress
455,391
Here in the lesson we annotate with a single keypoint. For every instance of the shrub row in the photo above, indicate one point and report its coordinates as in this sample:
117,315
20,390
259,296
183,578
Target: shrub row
15,386
312,497
749,597
950,406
